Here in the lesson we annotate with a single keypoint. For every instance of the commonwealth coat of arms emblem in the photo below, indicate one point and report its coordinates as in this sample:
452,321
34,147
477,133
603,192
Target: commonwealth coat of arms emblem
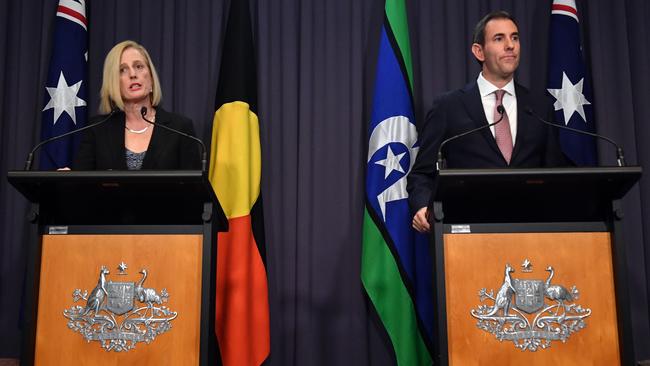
529,321
120,314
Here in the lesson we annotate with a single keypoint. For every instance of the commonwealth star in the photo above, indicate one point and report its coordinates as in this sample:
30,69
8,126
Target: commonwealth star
63,98
570,98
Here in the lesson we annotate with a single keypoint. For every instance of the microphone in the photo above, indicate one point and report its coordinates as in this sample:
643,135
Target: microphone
620,157
204,157
440,163
30,157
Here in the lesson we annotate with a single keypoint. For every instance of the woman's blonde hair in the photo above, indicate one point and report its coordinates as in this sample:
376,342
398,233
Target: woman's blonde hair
110,96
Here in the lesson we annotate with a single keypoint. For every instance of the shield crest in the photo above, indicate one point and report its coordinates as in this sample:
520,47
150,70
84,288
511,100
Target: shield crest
120,297
529,295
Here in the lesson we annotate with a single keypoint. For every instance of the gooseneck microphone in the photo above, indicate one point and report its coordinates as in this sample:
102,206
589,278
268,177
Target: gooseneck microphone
441,163
204,156
30,157
620,157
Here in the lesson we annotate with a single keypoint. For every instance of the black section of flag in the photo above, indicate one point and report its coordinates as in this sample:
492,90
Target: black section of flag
238,74
257,223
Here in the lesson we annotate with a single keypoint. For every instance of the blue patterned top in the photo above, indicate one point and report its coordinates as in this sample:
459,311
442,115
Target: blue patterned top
134,160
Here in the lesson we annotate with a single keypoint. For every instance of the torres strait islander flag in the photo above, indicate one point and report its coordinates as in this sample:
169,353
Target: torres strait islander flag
569,84
242,308
65,96
396,267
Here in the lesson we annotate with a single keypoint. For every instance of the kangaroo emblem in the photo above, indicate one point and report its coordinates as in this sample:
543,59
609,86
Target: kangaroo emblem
504,296
98,294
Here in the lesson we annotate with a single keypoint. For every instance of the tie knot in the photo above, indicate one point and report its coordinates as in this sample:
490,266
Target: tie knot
499,93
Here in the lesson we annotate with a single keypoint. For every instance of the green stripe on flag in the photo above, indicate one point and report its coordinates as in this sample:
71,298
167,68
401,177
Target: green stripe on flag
398,21
385,288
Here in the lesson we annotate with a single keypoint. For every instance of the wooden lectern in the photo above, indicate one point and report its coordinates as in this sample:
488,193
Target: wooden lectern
530,267
124,268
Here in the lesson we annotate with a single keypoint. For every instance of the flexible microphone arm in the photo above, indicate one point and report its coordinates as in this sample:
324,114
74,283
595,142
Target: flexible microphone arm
620,157
30,157
204,155
441,163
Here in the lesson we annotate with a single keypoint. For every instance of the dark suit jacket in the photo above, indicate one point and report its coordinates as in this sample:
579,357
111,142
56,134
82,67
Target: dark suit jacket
536,144
102,147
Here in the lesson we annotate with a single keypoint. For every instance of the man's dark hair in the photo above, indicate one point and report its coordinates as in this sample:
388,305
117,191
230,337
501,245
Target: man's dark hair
479,30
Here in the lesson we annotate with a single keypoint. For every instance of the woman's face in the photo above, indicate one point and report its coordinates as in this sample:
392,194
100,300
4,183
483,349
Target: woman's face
135,77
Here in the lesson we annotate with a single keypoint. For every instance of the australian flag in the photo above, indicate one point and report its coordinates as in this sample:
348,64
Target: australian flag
568,83
65,97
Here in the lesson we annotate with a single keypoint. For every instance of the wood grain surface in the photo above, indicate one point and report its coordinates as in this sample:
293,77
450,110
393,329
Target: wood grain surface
476,261
69,262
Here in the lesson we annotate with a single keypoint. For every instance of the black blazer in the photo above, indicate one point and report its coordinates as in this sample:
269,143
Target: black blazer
102,147
536,144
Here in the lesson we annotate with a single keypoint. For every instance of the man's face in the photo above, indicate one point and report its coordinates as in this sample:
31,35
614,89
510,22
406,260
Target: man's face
500,53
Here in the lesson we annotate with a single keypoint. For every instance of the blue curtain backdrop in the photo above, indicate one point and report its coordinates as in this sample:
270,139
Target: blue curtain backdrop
315,66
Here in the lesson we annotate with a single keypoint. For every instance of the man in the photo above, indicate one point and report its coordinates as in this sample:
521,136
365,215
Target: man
517,141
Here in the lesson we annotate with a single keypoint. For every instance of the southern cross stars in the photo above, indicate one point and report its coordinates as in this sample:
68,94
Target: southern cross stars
391,162
570,98
64,98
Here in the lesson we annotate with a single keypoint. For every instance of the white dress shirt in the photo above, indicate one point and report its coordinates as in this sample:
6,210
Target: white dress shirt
486,90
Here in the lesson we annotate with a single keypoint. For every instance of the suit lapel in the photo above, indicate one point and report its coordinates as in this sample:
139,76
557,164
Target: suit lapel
116,141
154,149
474,106
522,120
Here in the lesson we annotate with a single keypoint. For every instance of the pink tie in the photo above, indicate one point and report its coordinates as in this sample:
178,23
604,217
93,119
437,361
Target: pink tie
502,129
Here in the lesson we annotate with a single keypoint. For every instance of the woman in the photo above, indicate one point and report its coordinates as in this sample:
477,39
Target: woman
126,140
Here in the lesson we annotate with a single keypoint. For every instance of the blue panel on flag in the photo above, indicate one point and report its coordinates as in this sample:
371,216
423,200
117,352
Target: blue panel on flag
65,90
393,148
391,94
391,100
569,84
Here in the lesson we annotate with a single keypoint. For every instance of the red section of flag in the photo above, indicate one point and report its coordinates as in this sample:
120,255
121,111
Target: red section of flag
564,8
72,13
242,314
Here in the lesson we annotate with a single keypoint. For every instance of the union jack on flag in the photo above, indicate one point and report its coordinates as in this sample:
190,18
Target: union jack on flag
65,96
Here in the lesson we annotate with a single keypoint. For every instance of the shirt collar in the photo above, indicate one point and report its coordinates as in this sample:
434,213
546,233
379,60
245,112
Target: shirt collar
486,88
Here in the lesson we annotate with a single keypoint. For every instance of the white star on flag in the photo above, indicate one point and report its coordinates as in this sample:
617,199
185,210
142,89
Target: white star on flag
570,98
64,98
391,162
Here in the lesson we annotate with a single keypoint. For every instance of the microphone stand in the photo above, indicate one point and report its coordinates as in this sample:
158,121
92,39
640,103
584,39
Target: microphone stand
441,162
30,157
204,155
620,157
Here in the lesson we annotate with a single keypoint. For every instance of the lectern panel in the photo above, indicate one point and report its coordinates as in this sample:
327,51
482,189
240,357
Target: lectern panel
103,297
530,299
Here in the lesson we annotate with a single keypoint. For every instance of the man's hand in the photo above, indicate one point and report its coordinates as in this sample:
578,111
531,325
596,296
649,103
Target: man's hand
421,220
